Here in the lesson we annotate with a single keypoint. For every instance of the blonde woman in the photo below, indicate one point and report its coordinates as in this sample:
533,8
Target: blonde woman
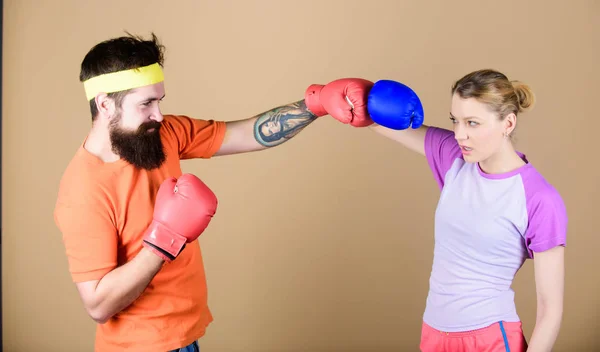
495,211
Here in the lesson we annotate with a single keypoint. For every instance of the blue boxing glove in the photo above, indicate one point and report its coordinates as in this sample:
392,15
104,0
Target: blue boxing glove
394,105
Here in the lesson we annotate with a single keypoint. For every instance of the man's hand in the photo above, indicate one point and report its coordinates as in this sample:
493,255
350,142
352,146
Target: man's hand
344,99
183,210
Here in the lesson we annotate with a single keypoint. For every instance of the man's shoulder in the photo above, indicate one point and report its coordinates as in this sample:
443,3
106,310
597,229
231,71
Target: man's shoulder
83,180
173,125
186,122
192,136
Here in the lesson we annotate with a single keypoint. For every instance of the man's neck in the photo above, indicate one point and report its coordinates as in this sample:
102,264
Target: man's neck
98,144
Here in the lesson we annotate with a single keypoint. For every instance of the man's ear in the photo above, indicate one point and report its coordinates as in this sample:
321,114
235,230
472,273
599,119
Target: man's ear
105,105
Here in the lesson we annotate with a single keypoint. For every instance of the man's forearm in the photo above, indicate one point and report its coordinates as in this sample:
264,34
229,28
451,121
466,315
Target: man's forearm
279,125
119,288
266,130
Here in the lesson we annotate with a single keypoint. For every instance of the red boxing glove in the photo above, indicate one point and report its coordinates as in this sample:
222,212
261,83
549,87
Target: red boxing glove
344,99
183,210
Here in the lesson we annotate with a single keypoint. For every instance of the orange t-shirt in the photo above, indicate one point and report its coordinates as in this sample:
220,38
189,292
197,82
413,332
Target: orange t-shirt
102,211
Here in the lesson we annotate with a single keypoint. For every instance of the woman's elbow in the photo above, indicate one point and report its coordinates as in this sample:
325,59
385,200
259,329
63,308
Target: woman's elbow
551,311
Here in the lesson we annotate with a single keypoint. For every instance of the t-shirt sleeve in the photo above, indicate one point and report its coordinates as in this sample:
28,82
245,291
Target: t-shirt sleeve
547,220
194,138
90,239
441,150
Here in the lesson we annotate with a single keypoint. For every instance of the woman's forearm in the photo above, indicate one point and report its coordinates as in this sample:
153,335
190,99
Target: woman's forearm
545,332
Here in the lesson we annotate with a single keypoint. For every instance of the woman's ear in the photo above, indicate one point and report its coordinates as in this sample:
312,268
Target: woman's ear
510,122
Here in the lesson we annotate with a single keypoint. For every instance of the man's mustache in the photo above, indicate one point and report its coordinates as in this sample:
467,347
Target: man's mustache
149,125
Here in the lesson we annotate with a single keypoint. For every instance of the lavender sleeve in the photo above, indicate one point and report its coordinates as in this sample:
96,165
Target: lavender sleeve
546,215
441,150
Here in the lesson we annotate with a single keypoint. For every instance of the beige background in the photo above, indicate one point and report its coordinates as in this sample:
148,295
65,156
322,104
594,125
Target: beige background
341,262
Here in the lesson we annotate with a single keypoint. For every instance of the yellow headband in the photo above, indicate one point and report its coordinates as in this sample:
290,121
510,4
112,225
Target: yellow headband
123,80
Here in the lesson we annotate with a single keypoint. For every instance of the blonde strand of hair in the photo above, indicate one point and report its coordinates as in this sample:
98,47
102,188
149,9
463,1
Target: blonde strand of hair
525,96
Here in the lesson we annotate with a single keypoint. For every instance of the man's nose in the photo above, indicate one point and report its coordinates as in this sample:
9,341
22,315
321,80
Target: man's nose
157,116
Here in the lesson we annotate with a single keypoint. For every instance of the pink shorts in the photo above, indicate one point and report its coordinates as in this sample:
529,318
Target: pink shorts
498,337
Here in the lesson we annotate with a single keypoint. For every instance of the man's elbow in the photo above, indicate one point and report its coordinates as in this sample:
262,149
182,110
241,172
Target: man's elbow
99,315
94,304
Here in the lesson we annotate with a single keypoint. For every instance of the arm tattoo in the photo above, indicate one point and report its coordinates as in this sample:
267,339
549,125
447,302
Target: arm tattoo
278,125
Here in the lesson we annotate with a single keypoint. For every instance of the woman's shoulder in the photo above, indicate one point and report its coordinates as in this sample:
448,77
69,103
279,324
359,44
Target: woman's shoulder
543,198
536,184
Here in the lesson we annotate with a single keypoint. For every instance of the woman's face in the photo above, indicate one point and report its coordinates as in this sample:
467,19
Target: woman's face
478,130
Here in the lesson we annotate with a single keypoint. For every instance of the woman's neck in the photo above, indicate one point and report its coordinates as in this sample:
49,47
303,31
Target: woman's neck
503,161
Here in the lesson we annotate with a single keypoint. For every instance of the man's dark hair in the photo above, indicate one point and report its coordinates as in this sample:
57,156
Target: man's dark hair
119,54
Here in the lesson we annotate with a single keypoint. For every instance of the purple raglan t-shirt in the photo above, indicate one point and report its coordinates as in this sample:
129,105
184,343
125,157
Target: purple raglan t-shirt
486,226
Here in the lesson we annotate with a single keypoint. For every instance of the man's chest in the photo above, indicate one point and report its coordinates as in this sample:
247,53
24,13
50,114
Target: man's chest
135,196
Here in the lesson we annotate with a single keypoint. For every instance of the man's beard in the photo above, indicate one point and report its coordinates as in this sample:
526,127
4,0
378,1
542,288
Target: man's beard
140,148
